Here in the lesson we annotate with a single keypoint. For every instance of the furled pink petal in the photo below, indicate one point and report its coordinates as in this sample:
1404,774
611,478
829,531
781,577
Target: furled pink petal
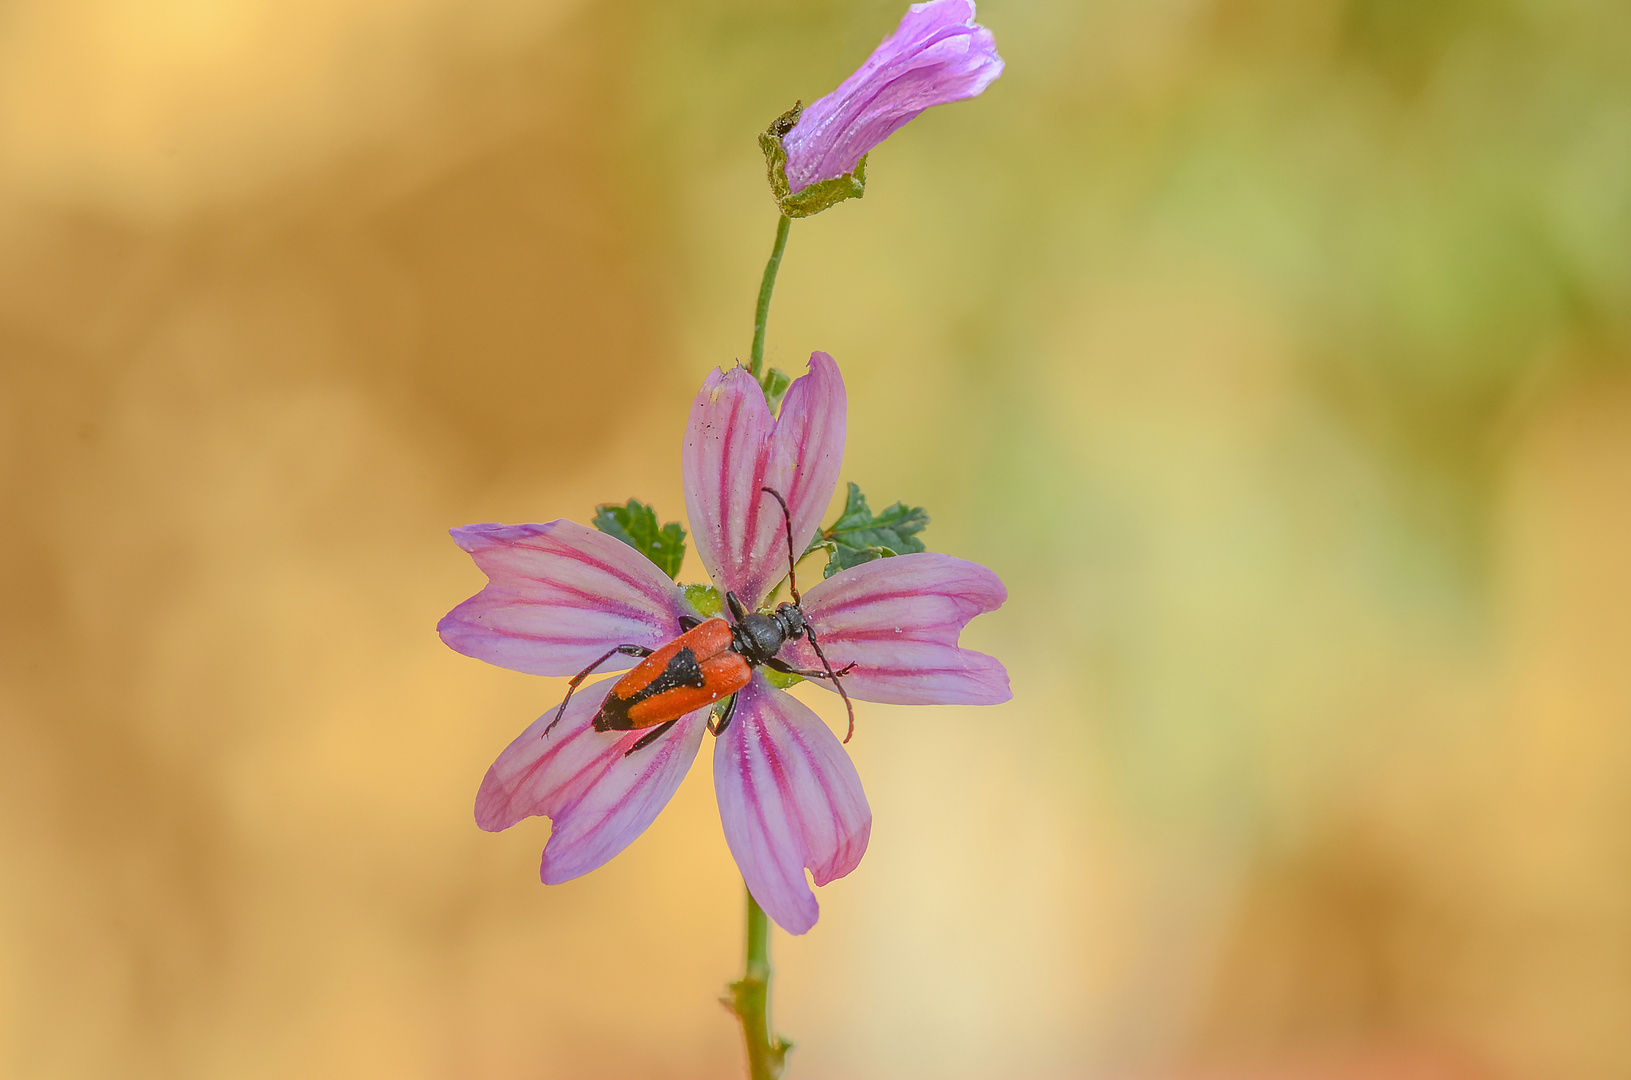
897,619
734,447
558,596
789,799
938,54
580,778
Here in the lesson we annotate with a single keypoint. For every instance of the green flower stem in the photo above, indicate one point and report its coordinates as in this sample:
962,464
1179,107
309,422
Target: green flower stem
766,287
750,996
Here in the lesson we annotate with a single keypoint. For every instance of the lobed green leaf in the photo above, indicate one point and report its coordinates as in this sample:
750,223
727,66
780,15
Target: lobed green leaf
860,536
635,524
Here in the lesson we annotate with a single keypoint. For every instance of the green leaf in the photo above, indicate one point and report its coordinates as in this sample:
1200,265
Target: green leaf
819,195
705,598
860,536
635,524
774,382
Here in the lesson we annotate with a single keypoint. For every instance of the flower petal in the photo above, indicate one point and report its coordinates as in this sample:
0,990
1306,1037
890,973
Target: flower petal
789,798
938,54
559,595
733,448
809,442
580,778
897,620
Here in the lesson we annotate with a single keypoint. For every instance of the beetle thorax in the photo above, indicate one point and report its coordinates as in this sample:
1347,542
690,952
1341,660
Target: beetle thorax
760,636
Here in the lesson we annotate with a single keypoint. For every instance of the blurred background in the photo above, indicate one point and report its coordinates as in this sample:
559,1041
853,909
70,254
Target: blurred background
1273,351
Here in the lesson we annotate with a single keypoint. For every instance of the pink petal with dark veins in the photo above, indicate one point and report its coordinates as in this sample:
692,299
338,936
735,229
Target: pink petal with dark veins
599,799
898,620
558,596
789,798
937,55
734,448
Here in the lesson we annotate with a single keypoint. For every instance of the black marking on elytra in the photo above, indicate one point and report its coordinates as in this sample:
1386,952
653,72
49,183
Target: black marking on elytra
683,670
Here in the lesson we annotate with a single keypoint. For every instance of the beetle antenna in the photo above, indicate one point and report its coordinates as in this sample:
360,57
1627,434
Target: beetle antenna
787,516
809,631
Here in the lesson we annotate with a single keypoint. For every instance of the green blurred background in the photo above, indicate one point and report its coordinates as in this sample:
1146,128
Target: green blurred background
1273,351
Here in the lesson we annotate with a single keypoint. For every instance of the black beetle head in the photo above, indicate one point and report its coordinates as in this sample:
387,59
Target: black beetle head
791,618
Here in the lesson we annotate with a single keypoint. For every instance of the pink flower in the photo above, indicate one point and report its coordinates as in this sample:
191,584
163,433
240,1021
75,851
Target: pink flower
937,55
561,594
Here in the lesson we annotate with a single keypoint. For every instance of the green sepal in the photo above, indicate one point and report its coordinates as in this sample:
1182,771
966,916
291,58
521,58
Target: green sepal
860,536
635,524
778,680
819,195
774,382
705,598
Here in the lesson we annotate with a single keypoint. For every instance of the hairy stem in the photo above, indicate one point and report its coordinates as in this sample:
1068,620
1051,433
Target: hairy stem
766,287
750,996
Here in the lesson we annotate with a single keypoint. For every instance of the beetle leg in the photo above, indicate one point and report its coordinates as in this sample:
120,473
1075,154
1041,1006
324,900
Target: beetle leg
651,736
788,669
724,718
577,680
737,610
687,622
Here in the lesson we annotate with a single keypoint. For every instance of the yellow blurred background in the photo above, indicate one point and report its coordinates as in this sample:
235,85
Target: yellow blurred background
1273,351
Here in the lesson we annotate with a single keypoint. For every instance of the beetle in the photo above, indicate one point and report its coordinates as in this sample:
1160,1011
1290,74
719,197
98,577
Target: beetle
710,660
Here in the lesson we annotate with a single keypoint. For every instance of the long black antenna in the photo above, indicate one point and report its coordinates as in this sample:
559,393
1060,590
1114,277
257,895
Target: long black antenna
809,631
787,516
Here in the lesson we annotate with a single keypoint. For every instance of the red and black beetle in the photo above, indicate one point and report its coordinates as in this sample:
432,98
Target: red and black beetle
710,660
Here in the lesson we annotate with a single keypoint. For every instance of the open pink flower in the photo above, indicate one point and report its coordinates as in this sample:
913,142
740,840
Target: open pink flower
561,594
937,55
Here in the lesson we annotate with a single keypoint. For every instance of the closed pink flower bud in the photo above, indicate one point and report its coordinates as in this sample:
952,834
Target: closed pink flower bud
937,55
